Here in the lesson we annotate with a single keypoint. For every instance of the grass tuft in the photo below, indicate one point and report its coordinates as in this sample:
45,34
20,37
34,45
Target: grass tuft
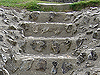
83,4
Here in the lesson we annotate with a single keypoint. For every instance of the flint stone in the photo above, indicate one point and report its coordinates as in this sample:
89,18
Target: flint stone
93,55
54,63
26,64
71,28
89,64
93,8
1,9
33,16
79,42
95,26
94,74
10,36
12,28
56,47
1,72
67,43
76,52
38,45
12,42
15,18
87,73
98,29
6,21
22,45
11,65
4,58
81,58
1,38
52,15
89,32
54,68
95,35
42,65
66,67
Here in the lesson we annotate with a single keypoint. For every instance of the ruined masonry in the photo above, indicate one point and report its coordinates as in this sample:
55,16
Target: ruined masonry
50,43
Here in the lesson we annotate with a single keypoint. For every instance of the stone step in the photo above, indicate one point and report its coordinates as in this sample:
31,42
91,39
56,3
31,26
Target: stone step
42,45
59,7
43,65
48,29
63,1
42,17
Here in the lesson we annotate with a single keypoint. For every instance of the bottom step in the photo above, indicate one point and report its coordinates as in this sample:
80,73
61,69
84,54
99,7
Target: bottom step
41,65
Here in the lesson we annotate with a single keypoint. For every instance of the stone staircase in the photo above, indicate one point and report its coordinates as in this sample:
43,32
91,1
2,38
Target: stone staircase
49,40
49,43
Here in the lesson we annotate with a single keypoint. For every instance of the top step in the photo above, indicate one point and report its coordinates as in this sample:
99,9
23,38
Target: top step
42,17
63,1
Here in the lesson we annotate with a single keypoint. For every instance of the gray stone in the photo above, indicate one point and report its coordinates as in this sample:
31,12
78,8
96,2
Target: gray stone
6,21
76,52
1,38
93,56
22,45
12,42
66,67
67,43
38,45
81,58
95,26
71,28
4,59
87,73
93,8
79,42
55,47
45,29
33,16
41,65
11,65
12,28
95,35
54,68
15,18
89,64
95,74
52,15
89,32
1,9
26,64
1,72
9,36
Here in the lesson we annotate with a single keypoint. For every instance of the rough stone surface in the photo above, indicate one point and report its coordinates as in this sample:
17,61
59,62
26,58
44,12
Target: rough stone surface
50,43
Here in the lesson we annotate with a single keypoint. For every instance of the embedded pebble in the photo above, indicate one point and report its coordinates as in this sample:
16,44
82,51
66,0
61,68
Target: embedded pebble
89,32
1,38
12,28
89,64
1,72
66,67
38,45
56,47
87,73
41,65
81,58
54,68
93,56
